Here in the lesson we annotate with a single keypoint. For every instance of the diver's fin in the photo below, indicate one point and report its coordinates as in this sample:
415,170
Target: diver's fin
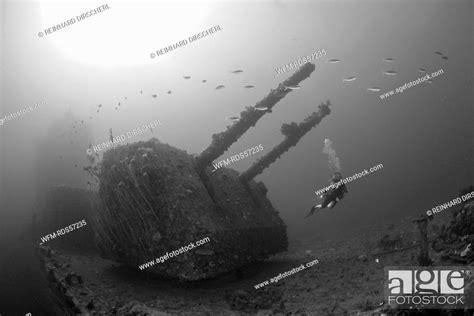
311,212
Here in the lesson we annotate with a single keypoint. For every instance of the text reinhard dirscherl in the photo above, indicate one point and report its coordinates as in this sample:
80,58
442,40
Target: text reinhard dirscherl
73,20
444,206
121,138
63,231
185,41
284,275
174,253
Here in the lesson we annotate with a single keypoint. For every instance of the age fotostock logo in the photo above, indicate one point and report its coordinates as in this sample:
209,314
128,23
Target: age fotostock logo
427,287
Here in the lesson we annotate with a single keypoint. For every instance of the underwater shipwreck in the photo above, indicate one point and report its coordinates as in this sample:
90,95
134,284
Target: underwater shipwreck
154,198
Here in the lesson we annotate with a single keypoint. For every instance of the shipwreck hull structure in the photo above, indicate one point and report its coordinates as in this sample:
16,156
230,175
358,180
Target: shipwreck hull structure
152,201
155,199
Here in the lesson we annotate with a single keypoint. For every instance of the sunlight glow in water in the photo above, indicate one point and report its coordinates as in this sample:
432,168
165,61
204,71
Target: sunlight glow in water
123,35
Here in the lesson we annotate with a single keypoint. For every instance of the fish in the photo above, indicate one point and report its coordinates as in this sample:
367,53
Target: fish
97,111
111,136
100,105
115,108
295,87
204,81
445,57
238,71
390,72
204,252
233,118
261,108
421,70
119,103
141,91
249,87
187,77
154,95
125,98
374,89
348,79
90,117
169,92
439,53
390,60
429,81
333,61
220,87
82,121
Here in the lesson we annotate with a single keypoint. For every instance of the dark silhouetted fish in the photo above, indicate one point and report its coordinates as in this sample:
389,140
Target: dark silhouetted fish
125,98
390,72
119,103
295,87
249,87
187,77
100,105
97,111
374,89
439,53
204,81
220,87
141,91
204,252
421,70
169,92
154,95
238,71
444,57
389,60
348,79
333,61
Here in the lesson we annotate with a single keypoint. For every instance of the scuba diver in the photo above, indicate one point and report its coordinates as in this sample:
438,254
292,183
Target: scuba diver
332,196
